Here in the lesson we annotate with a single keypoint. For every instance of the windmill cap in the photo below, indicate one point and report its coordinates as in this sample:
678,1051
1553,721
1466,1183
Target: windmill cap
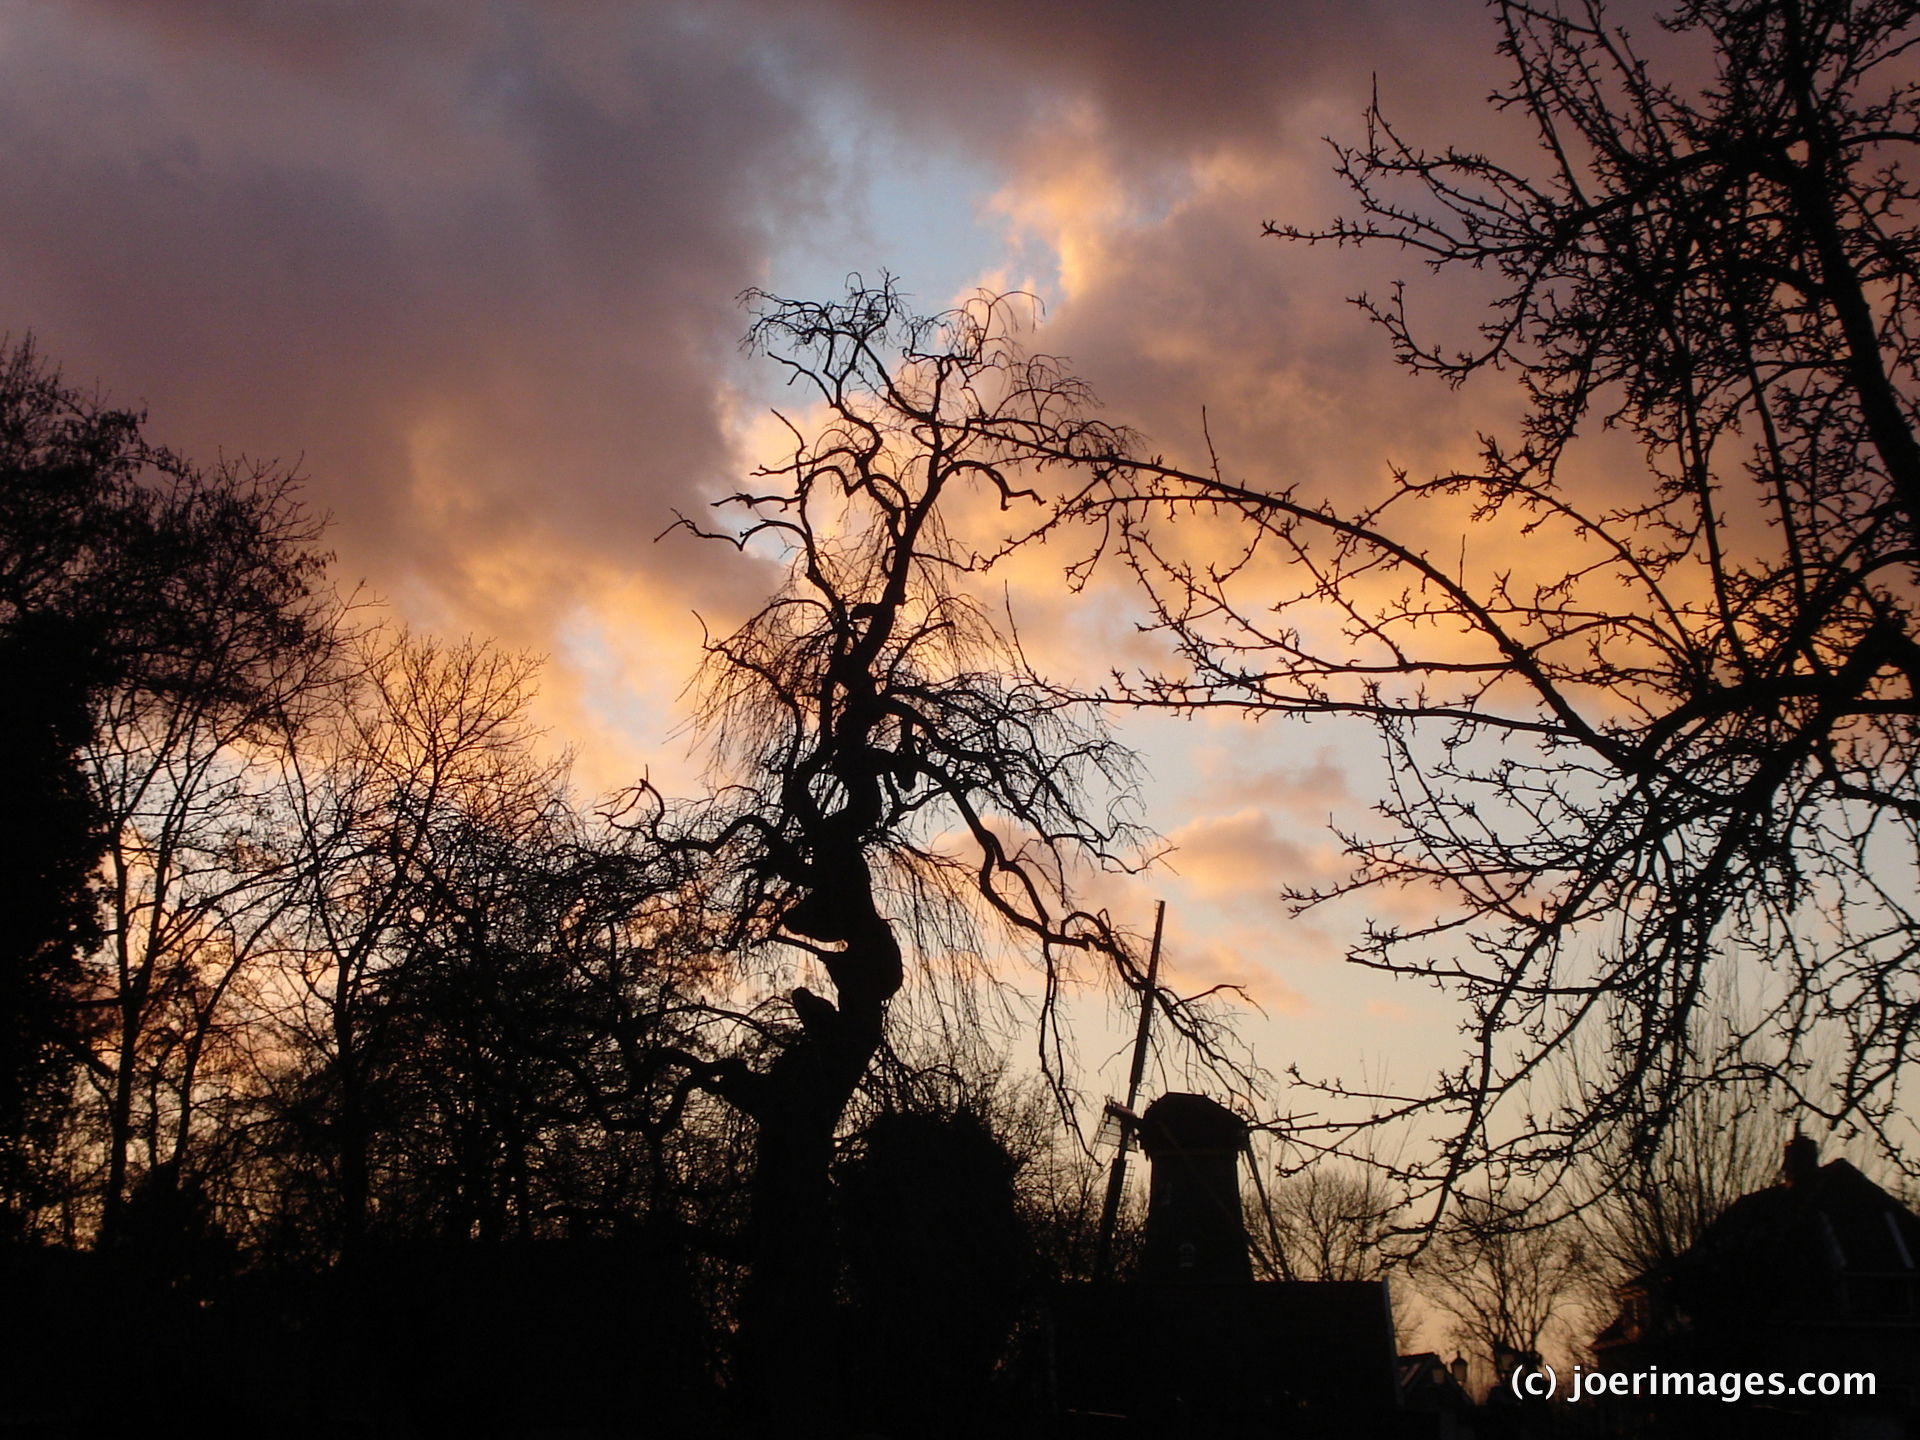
1190,1124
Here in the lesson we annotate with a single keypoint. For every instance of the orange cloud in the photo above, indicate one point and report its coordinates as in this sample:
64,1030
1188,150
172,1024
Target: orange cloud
1241,859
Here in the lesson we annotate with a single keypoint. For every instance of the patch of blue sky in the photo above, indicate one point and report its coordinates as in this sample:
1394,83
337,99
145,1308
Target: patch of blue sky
900,206
916,210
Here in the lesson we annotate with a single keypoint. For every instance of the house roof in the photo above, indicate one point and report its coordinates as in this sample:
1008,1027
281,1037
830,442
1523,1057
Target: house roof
1816,1245
1833,1219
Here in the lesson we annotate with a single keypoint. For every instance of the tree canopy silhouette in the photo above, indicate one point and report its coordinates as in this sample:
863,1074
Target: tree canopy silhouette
132,582
1642,725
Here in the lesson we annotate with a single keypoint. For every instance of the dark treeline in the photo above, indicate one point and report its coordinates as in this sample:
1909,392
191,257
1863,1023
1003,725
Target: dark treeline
356,1071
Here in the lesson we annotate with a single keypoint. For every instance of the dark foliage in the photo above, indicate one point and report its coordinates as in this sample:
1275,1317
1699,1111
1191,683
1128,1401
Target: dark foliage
50,845
123,571
939,1266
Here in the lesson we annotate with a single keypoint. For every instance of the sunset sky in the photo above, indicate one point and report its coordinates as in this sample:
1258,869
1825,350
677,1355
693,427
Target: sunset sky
473,268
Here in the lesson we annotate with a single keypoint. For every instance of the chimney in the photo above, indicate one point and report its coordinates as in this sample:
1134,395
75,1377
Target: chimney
1195,1231
1801,1161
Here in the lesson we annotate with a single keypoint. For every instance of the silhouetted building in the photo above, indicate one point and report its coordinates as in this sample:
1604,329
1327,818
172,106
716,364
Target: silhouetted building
1194,1346
1434,1388
1196,1232
1814,1275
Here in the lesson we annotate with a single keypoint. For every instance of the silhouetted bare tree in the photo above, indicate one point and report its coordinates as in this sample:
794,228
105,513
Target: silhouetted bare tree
1648,1206
181,758
1331,1221
1640,725
151,615
894,773
1504,1280
474,971
428,749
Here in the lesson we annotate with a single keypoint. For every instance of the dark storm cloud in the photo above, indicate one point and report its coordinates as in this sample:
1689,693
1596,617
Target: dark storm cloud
480,273
475,266
1167,77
